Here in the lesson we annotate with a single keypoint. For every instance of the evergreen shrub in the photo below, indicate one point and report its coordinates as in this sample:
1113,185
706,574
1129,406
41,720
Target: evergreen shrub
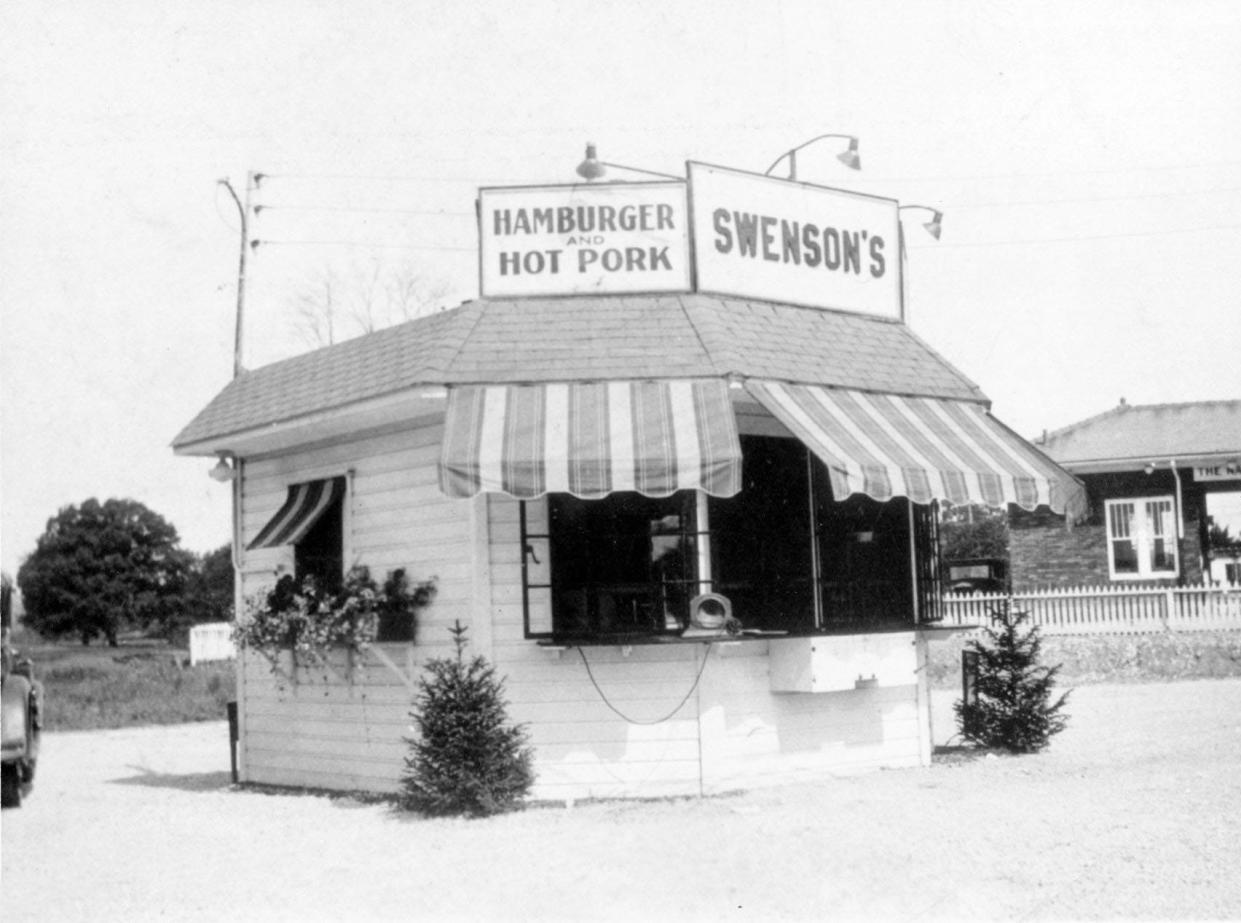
467,759
1012,708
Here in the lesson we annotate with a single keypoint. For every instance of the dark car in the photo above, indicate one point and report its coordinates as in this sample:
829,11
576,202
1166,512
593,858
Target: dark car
21,698
977,575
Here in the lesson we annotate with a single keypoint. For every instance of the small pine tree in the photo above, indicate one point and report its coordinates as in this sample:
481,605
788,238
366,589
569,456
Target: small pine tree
1012,709
467,758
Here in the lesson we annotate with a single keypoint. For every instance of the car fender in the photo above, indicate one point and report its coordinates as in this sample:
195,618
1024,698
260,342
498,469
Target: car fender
14,712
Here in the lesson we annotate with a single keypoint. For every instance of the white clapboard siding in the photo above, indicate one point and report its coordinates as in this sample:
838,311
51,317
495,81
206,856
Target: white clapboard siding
344,729
682,733
1108,609
731,732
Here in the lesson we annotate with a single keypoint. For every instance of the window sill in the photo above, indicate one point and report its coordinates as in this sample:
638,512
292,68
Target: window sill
652,640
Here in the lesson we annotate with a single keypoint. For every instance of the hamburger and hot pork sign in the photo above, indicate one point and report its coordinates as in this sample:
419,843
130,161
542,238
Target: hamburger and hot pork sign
722,231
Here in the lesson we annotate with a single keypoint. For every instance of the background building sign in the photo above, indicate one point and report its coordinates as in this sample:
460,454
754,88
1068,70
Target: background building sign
605,238
1225,471
769,238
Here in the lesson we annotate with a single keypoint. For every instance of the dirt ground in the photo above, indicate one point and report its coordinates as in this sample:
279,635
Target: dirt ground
1133,813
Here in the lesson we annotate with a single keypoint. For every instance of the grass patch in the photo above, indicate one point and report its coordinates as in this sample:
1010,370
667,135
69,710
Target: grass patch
139,683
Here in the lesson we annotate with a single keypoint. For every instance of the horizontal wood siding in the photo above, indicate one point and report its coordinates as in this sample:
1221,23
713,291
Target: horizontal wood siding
345,728
681,734
752,737
731,732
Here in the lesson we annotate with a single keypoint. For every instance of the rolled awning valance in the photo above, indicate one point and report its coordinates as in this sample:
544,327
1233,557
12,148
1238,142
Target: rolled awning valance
301,510
591,439
885,445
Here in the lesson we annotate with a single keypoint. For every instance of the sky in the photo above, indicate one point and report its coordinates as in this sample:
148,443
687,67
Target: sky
1087,158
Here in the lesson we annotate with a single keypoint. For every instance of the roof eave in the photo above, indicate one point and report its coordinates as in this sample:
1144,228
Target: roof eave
1139,462
401,407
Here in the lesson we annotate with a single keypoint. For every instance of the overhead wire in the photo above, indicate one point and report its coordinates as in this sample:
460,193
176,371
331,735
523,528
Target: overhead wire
944,205
441,213
1059,240
1116,198
951,178
364,244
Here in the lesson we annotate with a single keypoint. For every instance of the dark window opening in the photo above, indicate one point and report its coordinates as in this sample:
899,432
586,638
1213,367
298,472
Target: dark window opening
621,565
866,563
762,539
786,554
320,553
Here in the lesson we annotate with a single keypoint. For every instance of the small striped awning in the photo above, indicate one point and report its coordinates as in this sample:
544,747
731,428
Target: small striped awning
885,445
591,439
301,510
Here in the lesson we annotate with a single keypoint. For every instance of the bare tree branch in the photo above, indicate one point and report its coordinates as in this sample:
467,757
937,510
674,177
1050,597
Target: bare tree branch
335,304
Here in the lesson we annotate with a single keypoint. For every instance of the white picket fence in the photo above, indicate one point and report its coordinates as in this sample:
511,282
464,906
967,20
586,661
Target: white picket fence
211,641
1109,610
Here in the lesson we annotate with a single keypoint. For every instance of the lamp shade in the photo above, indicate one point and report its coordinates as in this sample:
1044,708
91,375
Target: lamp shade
850,157
590,168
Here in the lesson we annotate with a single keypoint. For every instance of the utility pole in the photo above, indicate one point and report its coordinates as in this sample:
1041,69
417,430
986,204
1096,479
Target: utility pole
252,180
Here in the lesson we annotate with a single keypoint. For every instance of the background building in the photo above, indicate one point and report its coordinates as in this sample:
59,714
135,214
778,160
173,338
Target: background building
1156,476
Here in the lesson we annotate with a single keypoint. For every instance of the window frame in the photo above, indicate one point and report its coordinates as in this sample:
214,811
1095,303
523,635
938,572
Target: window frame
1142,540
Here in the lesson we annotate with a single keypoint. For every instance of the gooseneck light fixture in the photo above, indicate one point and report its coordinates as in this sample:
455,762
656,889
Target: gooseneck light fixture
849,157
934,227
1150,467
592,168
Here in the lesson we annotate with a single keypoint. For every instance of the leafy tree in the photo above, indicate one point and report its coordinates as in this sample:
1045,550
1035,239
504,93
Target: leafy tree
1013,709
971,531
102,568
467,759
208,595
1219,538
6,599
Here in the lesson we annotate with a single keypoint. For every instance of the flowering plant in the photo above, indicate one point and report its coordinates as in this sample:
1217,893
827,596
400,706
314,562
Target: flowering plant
310,620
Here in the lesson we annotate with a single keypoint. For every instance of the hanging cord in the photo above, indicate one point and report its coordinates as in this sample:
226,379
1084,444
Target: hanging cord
679,704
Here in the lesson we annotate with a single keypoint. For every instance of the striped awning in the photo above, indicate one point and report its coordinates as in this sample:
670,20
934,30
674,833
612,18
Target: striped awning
590,439
301,510
884,446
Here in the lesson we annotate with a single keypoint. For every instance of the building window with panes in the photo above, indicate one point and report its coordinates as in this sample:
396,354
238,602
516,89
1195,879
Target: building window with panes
1141,538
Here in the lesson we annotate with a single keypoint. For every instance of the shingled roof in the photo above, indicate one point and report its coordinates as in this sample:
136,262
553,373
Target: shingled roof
588,338
1143,432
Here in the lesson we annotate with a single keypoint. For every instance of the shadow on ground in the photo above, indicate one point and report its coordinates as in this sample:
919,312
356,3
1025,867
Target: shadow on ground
188,782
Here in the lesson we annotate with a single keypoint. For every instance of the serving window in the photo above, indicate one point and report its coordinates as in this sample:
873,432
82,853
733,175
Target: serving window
786,554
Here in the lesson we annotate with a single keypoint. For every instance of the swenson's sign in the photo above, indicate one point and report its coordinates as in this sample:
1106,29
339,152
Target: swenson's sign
609,238
784,241
753,236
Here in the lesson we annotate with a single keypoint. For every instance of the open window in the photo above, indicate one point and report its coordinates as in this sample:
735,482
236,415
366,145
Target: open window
788,556
312,521
624,564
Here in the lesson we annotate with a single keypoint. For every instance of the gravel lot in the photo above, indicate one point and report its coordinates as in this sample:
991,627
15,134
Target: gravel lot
1134,812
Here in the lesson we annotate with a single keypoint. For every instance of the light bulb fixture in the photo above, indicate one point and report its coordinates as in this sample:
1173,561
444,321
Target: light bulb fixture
222,471
1156,464
934,227
848,157
592,168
